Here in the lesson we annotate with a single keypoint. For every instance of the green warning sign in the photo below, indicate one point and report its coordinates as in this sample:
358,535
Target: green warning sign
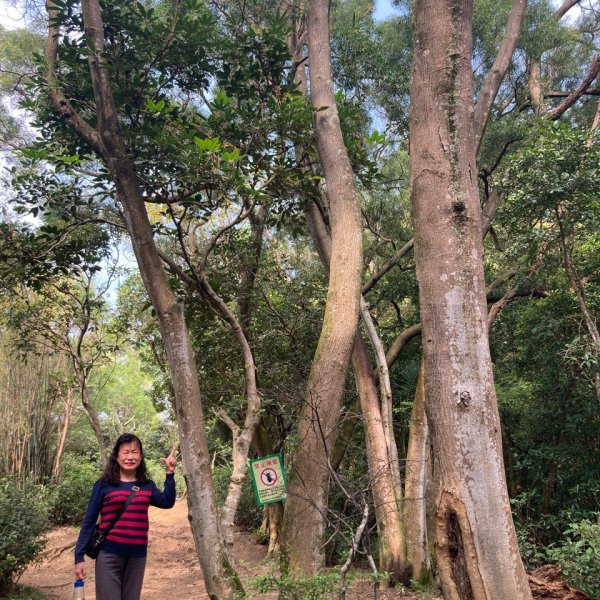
268,478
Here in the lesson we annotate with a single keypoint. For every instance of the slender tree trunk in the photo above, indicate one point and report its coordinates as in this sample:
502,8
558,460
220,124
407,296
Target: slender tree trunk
385,394
386,495
415,487
575,281
220,579
241,436
304,518
476,547
62,439
388,511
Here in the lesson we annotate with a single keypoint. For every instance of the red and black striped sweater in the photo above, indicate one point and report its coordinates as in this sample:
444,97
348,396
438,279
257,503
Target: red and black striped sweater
129,536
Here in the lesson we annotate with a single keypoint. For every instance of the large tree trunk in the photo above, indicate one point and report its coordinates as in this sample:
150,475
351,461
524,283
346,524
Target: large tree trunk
476,547
304,518
220,579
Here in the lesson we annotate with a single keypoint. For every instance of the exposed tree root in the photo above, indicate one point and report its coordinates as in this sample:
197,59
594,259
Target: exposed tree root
55,552
547,583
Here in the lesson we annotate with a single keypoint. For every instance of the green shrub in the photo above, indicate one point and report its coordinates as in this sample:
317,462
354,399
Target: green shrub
304,588
20,592
579,556
23,520
72,493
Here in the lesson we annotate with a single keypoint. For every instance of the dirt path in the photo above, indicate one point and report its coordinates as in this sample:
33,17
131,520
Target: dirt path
172,569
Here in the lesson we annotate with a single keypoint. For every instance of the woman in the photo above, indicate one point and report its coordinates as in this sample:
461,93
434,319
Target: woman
122,559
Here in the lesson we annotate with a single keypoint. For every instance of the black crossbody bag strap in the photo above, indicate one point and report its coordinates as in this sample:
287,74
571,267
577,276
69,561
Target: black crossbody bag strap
104,532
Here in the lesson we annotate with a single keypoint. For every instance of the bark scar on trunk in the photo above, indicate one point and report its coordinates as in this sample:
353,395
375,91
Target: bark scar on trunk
456,553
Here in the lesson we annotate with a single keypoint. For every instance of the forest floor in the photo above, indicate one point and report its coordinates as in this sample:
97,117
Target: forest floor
172,570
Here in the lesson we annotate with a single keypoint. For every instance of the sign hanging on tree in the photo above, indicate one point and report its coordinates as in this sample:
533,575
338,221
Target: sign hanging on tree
268,478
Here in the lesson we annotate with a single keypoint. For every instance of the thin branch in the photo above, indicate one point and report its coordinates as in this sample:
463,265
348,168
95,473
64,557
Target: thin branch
577,93
387,266
243,214
566,6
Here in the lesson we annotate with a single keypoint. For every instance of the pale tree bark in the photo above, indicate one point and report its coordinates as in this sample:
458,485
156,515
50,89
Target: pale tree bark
241,436
476,547
388,510
220,579
385,395
415,487
68,405
304,517
534,81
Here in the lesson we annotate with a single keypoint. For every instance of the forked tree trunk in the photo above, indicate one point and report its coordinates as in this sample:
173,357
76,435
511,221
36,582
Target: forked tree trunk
386,495
219,577
304,518
476,547
384,487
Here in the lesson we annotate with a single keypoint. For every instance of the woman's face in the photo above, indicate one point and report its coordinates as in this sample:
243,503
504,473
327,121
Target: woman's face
129,458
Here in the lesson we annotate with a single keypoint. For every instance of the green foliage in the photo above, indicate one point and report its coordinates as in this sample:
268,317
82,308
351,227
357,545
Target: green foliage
23,520
20,592
555,170
578,555
70,495
122,396
316,587
371,61
549,417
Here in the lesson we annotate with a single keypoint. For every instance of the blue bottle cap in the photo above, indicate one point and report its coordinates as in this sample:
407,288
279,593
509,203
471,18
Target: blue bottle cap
78,583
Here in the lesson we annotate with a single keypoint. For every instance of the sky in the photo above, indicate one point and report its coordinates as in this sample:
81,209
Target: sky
10,17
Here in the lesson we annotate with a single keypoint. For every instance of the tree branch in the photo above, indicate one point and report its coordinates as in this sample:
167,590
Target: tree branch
58,99
498,70
577,93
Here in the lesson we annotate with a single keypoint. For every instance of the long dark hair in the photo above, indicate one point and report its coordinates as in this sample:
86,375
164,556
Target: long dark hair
112,472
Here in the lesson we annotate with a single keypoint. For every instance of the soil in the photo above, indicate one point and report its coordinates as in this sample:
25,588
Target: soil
172,569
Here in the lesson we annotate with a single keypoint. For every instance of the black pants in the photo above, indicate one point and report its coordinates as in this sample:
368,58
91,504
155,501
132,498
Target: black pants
119,577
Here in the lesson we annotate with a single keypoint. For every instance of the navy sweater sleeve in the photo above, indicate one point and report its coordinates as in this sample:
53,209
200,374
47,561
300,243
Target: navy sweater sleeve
166,498
89,521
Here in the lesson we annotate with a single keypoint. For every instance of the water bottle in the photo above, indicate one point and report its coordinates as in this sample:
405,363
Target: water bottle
78,590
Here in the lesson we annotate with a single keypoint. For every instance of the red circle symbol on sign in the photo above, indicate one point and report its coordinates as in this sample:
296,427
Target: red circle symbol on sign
268,477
